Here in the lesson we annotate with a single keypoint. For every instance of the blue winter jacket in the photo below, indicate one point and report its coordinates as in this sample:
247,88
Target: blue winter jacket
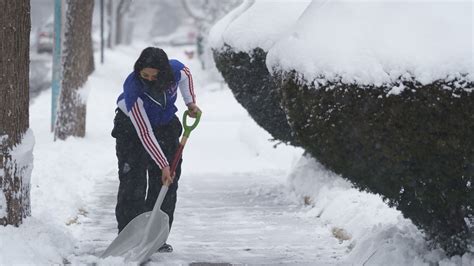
147,112
159,113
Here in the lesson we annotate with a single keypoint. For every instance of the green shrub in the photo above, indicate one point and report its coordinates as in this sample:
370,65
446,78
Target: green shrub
415,149
253,87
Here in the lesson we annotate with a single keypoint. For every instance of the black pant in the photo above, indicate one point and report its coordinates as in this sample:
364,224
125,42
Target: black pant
134,163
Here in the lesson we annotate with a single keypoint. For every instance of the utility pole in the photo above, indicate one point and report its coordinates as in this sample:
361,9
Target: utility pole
101,31
57,61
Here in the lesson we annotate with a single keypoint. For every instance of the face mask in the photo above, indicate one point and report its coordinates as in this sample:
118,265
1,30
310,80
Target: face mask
152,84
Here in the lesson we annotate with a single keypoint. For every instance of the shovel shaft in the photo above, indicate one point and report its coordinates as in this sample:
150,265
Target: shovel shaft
177,155
184,139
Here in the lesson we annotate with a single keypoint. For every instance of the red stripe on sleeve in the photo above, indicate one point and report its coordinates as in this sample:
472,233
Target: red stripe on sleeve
154,151
191,83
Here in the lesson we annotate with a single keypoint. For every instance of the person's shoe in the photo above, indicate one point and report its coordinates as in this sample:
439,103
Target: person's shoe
166,248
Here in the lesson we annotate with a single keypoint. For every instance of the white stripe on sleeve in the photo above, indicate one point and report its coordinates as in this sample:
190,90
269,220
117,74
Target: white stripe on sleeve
186,86
145,132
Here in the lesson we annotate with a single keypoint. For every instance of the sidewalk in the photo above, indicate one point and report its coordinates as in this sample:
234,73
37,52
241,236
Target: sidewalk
221,219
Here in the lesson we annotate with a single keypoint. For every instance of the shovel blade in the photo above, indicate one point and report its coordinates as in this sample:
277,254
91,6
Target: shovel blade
135,242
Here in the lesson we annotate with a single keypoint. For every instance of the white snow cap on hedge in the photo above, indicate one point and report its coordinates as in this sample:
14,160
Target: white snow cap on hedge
258,23
374,42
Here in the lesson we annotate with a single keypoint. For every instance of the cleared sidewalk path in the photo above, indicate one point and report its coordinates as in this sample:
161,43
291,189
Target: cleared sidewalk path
235,219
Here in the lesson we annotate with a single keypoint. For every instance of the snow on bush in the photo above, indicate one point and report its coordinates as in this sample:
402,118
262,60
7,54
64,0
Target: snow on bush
377,42
256,24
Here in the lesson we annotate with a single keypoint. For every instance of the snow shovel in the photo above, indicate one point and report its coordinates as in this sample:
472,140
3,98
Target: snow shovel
147,232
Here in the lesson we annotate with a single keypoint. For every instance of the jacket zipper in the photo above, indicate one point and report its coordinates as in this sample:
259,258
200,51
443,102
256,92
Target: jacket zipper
155,101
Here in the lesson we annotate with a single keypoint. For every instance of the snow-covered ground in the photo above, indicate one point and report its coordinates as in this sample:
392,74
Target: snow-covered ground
241,201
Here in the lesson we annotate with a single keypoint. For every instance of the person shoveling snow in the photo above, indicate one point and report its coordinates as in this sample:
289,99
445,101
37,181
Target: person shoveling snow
147,135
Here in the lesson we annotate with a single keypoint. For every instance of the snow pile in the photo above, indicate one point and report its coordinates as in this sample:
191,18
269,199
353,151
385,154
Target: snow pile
37,241
378,42
256,24
66,171
374,233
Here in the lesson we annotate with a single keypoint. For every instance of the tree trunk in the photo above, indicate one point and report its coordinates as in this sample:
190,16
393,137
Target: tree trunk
122,10
111,24
78,61
15,152
118,23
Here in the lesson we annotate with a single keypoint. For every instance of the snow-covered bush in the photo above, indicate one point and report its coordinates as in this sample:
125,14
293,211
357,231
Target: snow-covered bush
416,149
243,64
253,87
388,104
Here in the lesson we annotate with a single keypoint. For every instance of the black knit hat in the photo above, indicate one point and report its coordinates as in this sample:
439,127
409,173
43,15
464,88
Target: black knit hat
154,57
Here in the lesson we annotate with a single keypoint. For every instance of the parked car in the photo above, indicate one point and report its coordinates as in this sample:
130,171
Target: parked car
45,37
184,35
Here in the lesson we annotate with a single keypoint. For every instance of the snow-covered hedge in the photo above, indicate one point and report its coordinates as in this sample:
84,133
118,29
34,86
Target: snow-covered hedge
416,149
253,87
379,92
243,65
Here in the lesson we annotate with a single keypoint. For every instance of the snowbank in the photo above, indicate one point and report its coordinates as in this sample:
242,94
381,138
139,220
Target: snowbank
375,234
36,242
378,42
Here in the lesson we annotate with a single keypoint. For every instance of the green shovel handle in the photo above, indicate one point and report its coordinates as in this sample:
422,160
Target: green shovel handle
189,128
